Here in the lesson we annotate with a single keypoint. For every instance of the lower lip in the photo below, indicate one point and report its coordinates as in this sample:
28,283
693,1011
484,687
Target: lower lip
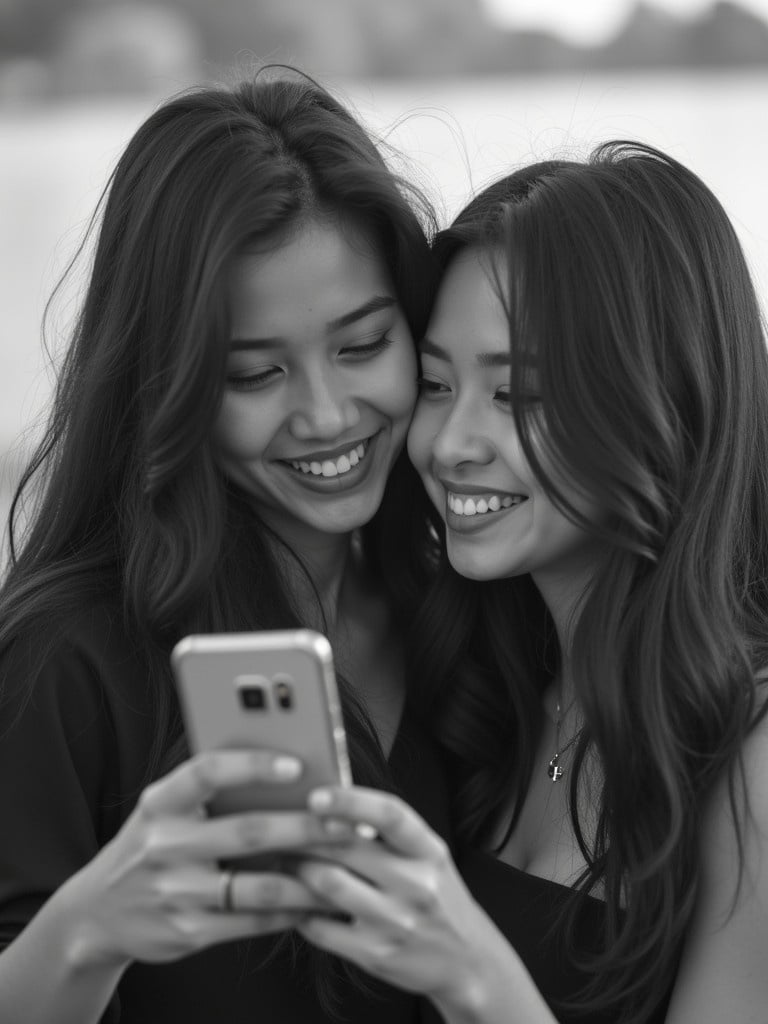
471,524
332,485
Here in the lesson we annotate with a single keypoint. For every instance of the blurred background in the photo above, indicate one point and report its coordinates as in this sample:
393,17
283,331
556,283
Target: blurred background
462,89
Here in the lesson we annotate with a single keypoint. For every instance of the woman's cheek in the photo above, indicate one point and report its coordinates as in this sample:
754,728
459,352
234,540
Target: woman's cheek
404,385
418,446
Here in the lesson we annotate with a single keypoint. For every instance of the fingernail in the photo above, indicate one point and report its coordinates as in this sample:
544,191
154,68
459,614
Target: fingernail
320,799
286,767
365,831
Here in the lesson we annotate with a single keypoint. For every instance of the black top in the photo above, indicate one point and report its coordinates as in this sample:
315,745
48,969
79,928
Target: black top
72,764
526,908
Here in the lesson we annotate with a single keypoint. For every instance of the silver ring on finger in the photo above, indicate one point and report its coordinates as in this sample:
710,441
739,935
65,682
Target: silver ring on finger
226,891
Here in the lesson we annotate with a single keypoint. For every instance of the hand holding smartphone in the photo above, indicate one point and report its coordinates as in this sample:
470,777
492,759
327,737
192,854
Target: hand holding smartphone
274,690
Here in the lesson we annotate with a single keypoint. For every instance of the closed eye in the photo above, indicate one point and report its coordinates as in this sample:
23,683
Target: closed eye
431,388
366,351
252,381
527,400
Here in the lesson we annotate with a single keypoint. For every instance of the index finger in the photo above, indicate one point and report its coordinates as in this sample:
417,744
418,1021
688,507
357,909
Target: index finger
193,783
396,822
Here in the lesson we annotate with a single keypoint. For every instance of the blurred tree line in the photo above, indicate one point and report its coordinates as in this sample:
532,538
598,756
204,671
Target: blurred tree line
77,45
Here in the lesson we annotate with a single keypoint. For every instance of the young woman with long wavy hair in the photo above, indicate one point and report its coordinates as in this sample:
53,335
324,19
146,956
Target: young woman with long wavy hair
224,453
592,431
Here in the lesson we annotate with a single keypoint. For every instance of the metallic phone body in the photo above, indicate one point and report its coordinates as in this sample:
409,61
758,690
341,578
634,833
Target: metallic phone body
274,690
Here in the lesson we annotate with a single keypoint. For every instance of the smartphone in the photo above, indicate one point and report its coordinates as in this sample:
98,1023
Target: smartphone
272,689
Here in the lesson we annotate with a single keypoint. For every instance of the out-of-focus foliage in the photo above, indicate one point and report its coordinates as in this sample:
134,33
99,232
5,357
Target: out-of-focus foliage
126,43
57,46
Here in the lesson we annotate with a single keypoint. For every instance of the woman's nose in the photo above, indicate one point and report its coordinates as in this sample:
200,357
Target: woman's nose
461,438
323,410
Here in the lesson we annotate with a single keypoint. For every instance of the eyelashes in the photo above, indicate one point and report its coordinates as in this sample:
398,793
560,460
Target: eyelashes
435,389
254,381
263,377
371,349
429,387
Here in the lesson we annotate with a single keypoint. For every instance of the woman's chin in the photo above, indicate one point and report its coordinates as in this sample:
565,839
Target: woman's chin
474,565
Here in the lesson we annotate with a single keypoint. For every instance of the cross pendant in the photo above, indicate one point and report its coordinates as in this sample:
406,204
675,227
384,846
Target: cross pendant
554,771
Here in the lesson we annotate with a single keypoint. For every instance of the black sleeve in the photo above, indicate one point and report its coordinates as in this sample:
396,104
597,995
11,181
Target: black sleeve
56,762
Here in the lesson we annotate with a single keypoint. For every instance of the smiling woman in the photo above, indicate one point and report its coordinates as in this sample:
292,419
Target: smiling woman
591,648
224,453
479,477
321,381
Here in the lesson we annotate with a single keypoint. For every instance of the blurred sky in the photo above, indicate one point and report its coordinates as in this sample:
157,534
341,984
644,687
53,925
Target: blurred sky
592,21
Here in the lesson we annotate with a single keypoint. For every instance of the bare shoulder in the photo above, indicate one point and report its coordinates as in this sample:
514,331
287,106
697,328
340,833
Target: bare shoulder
722,973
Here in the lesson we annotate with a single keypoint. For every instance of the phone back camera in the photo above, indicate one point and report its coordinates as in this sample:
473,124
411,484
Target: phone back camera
252,698
282,689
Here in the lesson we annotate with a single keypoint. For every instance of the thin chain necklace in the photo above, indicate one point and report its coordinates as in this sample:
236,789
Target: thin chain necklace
554,770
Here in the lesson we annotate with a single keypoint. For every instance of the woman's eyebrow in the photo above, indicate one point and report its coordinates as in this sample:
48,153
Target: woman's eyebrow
428,347
373,305
495,359
252,344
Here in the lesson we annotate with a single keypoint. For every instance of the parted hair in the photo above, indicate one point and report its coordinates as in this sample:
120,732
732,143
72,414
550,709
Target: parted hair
625,277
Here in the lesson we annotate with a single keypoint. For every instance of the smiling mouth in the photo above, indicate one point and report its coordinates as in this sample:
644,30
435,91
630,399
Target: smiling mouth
340,466
463,505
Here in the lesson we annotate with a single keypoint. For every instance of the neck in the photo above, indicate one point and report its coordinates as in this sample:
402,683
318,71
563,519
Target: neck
561,596
328,565
327,558
559,702
563,587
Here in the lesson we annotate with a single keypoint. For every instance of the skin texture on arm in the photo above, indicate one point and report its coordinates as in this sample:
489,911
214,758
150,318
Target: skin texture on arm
62,991
723,973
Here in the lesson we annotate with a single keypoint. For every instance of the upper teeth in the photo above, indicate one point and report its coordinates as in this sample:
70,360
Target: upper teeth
333,467
479,506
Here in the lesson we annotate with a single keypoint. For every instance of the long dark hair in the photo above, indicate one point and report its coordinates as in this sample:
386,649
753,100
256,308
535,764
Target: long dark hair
625,276
130,500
